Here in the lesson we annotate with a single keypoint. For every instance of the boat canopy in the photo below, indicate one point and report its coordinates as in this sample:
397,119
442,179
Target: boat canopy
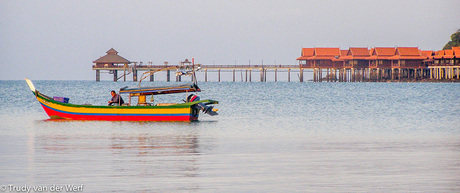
156,90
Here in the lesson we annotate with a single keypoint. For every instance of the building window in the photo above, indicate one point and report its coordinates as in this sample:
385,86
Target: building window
403,62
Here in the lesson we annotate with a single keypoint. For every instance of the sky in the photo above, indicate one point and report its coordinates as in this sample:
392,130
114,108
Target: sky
59,39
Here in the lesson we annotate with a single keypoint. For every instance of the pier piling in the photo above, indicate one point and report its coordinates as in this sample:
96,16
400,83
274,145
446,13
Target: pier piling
115,75
98,75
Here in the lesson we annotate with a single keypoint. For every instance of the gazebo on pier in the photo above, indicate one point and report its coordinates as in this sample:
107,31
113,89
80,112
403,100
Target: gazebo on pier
111,62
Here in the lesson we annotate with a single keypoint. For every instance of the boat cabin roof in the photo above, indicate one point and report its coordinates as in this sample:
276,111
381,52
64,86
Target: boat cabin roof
156,90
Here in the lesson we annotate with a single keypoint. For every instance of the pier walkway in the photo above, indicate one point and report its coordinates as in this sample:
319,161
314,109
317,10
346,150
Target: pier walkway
330,74
353,65
134,69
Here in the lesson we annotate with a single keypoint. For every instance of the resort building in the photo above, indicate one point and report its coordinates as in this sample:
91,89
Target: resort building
445,64
380,63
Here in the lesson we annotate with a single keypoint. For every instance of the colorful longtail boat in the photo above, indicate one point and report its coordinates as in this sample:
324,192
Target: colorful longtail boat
187,111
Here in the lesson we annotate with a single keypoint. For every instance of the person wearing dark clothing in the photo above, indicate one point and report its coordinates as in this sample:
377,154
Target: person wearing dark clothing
116,99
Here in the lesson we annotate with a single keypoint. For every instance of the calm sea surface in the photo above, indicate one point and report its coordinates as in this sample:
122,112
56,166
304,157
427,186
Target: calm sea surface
269,137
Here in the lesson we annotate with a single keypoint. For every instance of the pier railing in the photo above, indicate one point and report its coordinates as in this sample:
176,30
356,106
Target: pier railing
205,66
319,74
210,66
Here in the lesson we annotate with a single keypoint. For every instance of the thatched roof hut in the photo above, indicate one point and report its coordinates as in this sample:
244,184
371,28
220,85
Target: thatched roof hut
112,58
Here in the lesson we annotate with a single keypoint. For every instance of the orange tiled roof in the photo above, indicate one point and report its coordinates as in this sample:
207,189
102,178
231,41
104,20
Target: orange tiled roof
388,53
444,54
331,52
381,53
456,51
302,58
427,53
384,51
358,52
323,58
306,52
407,53
320,54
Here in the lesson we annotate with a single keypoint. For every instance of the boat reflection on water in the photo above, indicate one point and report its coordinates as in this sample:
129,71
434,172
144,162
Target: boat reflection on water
155,157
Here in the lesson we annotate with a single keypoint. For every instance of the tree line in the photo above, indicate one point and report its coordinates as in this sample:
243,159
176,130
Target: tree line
454,42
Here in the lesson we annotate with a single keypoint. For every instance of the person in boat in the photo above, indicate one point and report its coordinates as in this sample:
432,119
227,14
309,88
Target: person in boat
116,99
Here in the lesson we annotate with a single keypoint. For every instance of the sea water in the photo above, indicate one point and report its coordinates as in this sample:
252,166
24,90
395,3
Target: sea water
268,137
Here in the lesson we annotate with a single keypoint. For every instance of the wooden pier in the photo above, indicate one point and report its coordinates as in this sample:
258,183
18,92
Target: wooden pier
321,64
122,71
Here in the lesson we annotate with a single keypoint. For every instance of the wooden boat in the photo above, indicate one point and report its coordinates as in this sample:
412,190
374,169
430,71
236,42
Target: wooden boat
187,111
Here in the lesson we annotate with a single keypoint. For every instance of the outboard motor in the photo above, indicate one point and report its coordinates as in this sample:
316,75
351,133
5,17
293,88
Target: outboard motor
200,106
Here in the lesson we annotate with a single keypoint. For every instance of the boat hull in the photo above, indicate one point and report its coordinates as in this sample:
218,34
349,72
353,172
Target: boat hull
57,110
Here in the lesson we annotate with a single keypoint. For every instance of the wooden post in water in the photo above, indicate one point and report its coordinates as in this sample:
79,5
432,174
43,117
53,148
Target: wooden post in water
447,73
124,73
392,74
301,75
265,75
345,75
262,75
289,75
250,75
458,74
206,75
335,75
134,75
115,75
168,76
340,75
314,74
233,75
218,74
98,75
440,73
246,79
276,78
436,73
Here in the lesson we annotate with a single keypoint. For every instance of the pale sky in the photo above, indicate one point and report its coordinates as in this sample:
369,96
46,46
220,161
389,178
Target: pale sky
58,40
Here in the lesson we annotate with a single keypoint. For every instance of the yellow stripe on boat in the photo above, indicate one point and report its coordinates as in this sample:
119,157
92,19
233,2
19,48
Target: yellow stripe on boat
109,110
